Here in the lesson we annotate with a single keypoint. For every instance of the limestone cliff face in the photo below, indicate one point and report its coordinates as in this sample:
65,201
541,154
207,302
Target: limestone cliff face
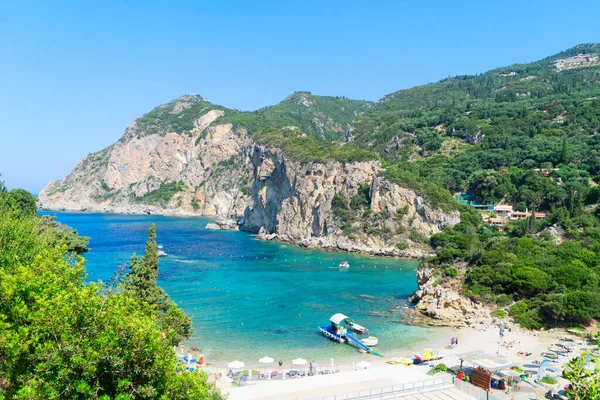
292,201
216,169
121,177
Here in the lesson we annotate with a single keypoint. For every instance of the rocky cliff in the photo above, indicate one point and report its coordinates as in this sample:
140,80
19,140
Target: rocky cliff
438,299
186,158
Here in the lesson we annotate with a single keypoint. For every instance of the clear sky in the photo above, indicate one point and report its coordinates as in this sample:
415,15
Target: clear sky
73,74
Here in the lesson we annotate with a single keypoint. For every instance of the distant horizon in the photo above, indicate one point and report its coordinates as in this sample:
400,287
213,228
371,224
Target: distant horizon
74,76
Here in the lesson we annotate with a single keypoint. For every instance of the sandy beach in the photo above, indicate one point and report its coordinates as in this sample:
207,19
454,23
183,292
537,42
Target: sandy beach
379,373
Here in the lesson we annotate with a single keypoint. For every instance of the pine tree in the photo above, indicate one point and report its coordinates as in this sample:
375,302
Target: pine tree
142,281
144,273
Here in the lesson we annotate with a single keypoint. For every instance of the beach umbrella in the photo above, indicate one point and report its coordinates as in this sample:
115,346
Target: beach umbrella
266,360
363,364
299,361
236,364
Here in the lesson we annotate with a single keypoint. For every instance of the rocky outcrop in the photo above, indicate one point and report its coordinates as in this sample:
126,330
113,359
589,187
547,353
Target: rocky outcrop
123,177
215,169
444,304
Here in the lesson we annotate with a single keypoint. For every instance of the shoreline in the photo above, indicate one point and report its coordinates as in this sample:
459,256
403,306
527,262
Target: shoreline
302,243
486,342
346,360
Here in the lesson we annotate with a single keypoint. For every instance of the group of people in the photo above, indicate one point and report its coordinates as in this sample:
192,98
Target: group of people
453,341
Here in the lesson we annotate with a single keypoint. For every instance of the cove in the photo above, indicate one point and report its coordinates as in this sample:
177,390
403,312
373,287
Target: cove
249,298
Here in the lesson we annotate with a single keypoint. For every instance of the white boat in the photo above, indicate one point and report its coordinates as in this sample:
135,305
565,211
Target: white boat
344,265
370,341
359,328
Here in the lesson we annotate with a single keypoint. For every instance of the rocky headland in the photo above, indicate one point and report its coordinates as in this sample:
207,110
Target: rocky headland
216,169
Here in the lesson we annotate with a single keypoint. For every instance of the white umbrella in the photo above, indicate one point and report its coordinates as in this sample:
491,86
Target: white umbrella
299,361
363,364
236,364
266,360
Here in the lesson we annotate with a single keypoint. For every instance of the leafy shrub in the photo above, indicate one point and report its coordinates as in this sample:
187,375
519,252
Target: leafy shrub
163,194
504,299
246,190
194,204
498,313
437,369
402,245
451,272
362,198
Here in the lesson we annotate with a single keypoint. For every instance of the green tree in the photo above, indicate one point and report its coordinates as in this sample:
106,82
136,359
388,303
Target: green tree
564,152
174,323
144,273
18,201
62,338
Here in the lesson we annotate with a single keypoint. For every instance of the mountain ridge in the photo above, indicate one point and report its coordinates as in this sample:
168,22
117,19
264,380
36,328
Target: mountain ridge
189,156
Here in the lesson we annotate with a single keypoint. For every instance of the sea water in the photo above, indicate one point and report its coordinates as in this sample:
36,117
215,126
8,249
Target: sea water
250,298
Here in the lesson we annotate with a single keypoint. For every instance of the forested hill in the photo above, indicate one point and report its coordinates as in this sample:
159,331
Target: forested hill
526,136
517,116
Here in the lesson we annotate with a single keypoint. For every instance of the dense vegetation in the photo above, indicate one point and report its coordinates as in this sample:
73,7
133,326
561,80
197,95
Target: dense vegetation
541,282
525,135
487,133
308,149
62,338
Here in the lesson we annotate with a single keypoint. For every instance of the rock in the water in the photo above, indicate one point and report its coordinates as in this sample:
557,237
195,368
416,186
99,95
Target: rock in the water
212,227
227,224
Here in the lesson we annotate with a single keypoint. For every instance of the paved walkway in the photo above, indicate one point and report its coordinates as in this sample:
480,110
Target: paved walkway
328,385
444,394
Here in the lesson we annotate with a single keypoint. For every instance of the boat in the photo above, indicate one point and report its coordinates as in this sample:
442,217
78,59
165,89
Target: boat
370,341
428,355
358,328
340,329
344,265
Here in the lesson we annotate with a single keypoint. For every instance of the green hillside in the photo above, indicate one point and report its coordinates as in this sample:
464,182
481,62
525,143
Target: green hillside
520,117
525,135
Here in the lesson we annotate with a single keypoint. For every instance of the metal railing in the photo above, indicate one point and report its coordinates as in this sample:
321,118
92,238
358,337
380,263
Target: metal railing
474,391
393,391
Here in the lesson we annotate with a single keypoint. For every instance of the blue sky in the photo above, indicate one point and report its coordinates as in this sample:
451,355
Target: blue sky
74,74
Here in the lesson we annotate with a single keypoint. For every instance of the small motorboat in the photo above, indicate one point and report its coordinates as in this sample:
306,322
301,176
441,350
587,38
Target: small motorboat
370,341
344,265
359,328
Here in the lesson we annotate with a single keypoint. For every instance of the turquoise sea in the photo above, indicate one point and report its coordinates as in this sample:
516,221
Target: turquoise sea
250,298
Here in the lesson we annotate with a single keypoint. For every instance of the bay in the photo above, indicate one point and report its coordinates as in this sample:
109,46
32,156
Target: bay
249,298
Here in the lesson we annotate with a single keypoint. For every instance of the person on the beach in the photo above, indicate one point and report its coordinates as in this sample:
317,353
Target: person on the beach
456,341
310,371
280,364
